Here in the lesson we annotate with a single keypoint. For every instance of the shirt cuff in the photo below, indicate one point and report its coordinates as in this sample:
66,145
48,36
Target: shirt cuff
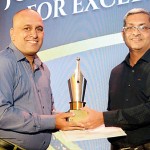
110,118
47,122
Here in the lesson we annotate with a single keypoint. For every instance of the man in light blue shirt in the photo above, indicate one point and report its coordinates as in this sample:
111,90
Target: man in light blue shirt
26,101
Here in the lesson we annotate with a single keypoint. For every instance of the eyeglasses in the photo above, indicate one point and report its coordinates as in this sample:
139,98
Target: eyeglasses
141,28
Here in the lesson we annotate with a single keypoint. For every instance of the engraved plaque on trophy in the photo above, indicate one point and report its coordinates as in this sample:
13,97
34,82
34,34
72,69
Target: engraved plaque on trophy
77,86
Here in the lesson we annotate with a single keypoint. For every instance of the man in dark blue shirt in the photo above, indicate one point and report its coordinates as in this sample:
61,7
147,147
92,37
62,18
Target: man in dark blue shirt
26,101
129,88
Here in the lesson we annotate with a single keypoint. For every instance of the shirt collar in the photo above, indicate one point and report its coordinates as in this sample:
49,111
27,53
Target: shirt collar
17,53
38,63
145,57
20,56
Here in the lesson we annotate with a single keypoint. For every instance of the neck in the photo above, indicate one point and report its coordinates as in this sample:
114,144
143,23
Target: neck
31,61
135,56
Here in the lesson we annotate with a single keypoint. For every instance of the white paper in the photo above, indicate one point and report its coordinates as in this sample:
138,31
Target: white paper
97,133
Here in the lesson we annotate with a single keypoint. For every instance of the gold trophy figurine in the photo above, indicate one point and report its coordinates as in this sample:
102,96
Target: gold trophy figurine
77,86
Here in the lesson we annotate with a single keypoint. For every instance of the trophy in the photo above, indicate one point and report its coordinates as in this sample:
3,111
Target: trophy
77,86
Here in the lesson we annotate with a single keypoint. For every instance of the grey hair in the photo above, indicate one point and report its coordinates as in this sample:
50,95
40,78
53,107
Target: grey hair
135,11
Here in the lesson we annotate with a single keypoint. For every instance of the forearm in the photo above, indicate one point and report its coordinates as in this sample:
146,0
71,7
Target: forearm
130,118
20,120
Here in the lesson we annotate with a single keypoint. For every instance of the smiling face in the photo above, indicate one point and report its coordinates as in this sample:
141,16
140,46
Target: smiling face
137,40
27,32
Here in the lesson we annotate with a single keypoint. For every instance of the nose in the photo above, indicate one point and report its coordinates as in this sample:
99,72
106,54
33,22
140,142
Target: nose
34,33
136,30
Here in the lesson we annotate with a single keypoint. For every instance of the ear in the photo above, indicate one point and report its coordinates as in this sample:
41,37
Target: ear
12,35
123,36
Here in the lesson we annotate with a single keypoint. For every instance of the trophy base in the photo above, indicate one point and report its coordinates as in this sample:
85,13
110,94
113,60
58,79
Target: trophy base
79,115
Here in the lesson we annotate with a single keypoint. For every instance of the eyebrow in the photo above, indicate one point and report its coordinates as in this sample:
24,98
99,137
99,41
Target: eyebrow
28,25
138,24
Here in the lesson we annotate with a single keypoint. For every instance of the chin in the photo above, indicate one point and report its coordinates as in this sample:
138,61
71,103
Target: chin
34,49
136,49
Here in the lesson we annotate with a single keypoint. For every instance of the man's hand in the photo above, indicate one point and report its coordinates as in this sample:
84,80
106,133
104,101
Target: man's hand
94,118
63,124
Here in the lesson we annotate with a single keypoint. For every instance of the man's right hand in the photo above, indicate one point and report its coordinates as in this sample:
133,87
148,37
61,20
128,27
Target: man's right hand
63,124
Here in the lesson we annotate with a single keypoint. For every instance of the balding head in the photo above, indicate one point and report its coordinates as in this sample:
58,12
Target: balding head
27,31
24,12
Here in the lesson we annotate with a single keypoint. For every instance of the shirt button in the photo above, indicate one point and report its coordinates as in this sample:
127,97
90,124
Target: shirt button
127,100
129,85
132,70
43,107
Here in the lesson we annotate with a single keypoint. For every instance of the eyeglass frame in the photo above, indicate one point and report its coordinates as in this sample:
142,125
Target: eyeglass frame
140,28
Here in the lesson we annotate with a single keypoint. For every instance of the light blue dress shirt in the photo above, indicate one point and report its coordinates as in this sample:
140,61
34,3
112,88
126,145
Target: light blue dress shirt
26,101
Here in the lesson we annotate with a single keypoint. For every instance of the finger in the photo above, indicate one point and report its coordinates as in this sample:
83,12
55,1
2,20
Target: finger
85,121
84,108
76,124
73,128
67,115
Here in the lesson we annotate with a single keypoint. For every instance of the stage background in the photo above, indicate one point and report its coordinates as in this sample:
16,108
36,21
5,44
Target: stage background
89,29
